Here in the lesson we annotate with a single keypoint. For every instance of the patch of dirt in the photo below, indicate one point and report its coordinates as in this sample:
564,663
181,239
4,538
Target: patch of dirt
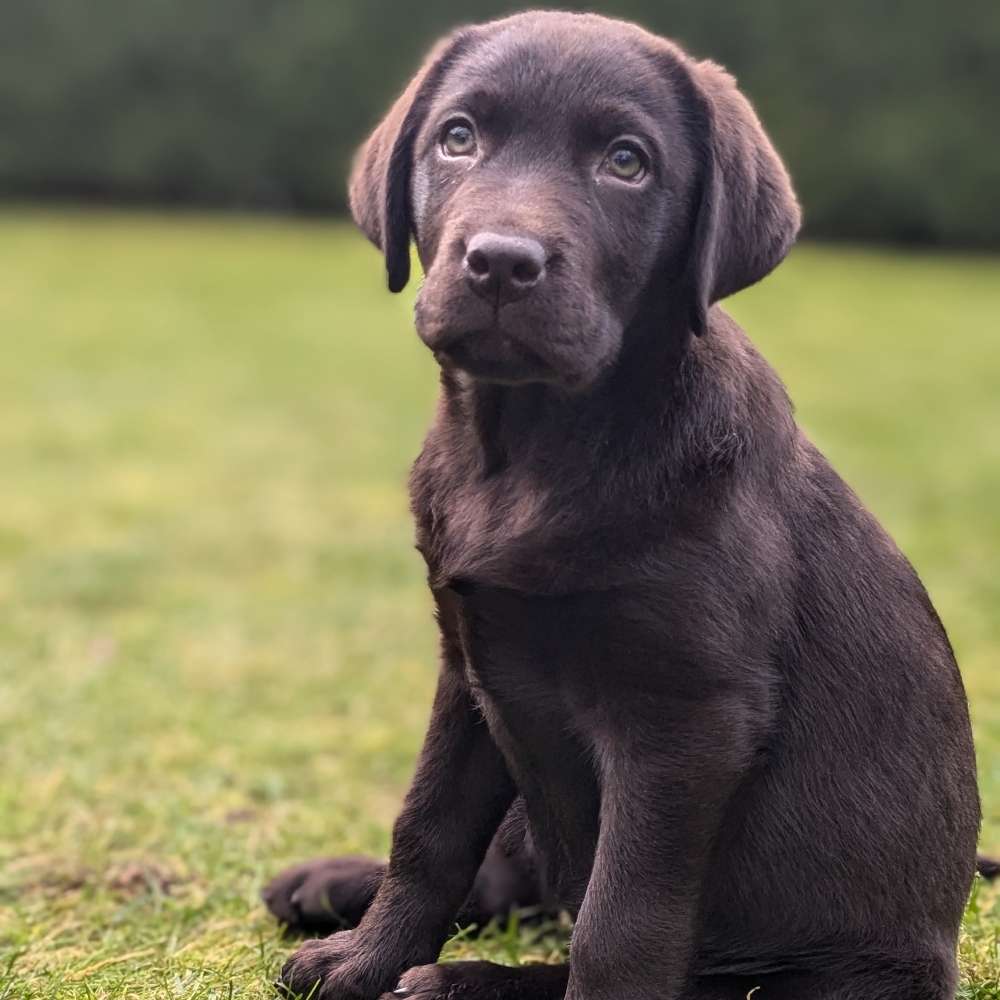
137,877
240,816
45,874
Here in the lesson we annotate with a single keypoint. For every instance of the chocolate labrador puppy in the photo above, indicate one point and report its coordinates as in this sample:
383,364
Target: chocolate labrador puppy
690,691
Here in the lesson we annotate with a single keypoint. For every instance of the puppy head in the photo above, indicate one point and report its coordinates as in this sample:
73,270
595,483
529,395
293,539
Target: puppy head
564,175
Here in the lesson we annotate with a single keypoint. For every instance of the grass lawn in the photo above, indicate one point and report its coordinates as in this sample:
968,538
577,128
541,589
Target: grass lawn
216,651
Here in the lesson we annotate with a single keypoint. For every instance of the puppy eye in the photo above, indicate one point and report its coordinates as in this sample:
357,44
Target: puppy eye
626,162
459,139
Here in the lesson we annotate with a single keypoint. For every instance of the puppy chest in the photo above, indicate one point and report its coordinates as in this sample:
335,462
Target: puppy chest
514,645
588,664
538,662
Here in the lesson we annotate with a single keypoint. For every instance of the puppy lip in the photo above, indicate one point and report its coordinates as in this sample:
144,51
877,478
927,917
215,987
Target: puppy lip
491,344
492,354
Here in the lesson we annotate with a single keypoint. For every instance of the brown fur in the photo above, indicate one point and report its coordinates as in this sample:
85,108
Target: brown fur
706,690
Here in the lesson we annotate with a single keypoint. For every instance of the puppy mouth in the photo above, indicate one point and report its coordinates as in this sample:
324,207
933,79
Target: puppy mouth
494,356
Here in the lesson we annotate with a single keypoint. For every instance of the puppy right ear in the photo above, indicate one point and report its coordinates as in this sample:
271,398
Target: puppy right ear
379,189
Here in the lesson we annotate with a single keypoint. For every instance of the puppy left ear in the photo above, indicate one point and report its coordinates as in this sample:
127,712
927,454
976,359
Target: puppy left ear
748,216
379,188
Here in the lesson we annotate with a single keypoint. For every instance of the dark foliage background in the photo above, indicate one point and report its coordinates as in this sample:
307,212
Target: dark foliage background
886,111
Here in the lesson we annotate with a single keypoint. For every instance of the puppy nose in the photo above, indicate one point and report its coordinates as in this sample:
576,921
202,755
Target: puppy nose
504,268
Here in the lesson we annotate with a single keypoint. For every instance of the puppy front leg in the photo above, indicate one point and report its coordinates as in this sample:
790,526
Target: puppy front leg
665,784
459,795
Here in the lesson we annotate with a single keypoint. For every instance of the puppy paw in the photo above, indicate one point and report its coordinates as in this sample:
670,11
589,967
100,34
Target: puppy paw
481,981
325,894
326,969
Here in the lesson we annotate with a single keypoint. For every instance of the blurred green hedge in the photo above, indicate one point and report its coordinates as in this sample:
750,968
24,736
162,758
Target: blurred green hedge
887,112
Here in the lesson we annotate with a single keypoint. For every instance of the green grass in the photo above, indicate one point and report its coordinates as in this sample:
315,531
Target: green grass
216,651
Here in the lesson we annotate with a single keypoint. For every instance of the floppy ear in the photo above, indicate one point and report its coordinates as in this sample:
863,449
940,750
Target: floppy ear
747,217
379,189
